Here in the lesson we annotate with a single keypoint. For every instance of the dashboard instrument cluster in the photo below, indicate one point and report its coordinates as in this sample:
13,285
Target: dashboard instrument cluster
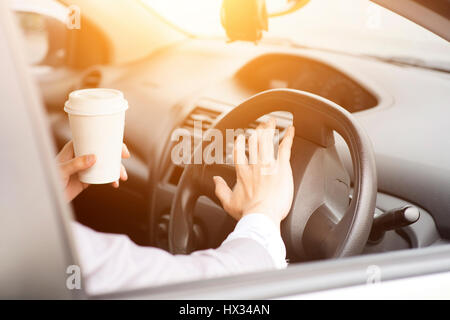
272,71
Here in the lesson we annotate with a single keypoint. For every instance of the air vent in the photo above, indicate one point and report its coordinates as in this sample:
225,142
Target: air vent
208,116
205,116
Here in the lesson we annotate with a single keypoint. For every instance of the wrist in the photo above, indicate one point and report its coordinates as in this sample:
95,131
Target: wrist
276,222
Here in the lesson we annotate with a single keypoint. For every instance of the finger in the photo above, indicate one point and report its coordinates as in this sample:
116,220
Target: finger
240,159
223,192
115,184
66,152
125,152
271,123
78,164
260,133
239,150
265,140
264,124
123,173
284,152
253,148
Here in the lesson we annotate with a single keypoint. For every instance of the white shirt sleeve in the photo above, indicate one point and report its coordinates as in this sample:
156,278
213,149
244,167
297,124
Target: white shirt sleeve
260,228
111,262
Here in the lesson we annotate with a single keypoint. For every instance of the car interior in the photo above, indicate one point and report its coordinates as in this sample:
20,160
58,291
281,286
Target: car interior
374,131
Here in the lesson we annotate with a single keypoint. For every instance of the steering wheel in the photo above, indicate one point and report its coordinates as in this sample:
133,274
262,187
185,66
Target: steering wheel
323,221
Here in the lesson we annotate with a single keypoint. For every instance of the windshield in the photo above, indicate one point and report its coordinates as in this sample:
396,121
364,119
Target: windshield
352,26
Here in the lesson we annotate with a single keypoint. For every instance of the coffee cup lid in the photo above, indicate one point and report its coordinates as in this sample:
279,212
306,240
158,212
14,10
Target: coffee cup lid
94,102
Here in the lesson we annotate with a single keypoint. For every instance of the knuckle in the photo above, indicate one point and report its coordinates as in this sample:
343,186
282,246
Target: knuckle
79,163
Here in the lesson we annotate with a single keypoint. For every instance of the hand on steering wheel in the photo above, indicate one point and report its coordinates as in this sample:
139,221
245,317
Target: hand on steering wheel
323,221
263,184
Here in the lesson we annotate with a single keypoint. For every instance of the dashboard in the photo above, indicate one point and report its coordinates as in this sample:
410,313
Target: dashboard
268,71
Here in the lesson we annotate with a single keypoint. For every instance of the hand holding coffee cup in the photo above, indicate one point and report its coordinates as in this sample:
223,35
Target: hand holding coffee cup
97,120
70,166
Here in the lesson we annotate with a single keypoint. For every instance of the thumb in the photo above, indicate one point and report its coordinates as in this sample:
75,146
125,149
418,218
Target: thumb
223,192
77,164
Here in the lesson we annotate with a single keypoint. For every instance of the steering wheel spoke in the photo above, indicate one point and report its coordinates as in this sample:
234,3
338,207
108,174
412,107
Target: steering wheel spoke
313,127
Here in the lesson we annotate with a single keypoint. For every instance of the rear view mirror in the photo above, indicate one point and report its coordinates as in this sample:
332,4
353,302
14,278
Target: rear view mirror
246,20
277,8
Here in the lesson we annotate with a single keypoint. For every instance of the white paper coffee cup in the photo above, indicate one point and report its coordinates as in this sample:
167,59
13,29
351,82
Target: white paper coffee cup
97,121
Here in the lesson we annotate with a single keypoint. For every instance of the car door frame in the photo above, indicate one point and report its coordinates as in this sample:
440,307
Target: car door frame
36,250
55,225
306,278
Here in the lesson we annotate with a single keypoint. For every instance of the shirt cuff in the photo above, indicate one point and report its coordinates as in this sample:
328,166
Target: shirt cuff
260,228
